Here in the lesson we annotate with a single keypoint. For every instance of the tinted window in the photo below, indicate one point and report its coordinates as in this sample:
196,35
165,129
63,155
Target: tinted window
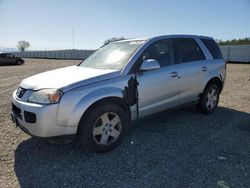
161,51
188,50
213,48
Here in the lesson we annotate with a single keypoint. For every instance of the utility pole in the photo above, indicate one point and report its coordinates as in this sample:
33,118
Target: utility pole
73,38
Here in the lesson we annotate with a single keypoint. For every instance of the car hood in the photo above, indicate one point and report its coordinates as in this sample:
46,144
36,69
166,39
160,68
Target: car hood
67,78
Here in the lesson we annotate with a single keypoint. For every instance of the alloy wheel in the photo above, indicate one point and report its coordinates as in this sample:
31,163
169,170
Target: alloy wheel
212,98
107,128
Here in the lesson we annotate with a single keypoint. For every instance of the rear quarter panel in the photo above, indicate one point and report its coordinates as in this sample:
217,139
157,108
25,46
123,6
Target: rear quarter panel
216,68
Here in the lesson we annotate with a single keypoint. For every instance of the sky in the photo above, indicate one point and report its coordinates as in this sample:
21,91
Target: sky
48,24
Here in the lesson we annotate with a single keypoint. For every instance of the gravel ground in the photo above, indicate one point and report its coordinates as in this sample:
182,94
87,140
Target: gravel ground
177,148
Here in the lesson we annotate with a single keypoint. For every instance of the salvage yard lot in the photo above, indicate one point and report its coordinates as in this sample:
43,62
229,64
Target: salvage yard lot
177,148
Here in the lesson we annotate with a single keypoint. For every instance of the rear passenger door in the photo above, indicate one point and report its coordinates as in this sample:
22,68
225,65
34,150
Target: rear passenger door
192,69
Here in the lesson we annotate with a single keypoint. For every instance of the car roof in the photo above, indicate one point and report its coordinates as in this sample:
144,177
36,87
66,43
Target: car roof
167,36
132,39
182,36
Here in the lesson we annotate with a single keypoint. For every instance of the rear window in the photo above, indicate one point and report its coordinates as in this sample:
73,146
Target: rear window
213,48
188,50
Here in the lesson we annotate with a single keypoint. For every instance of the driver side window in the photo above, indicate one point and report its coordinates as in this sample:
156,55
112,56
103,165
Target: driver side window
162,51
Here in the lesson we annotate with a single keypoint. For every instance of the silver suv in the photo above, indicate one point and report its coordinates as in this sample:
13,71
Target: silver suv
120,82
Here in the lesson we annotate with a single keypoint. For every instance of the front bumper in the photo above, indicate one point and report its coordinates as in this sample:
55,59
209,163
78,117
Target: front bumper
43,119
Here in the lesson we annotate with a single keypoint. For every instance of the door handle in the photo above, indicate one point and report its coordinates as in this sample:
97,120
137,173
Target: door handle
204,68
174,74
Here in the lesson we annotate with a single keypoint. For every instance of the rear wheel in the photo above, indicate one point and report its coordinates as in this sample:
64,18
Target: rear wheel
209,99
103,127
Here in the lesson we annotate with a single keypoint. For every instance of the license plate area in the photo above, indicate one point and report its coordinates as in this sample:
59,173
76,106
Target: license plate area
14,119
16,112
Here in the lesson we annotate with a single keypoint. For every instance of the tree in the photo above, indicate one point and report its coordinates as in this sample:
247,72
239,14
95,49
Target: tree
22,45
234,41
113,39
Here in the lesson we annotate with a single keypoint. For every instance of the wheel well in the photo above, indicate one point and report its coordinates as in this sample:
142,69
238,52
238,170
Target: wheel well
115,100
217,81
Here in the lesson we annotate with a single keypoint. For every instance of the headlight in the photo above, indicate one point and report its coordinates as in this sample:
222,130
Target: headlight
46,96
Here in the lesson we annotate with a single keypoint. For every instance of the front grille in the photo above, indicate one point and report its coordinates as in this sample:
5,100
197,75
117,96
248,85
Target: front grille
17,111
29,117
20,92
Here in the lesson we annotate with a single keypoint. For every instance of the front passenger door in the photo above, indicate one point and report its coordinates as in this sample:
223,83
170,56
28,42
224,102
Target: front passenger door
158,89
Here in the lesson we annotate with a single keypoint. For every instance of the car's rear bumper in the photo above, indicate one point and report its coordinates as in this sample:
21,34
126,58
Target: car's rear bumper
38,120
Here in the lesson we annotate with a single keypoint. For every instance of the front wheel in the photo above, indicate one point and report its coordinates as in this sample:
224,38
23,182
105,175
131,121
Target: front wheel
209,99
103,127
19,62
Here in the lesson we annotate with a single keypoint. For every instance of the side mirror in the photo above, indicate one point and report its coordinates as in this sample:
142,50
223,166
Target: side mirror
149,64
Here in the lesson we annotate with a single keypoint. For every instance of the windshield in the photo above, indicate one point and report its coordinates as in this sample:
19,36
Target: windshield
113,55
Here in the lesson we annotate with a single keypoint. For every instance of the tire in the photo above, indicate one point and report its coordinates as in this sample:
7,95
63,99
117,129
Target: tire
19,62
209,99
102,128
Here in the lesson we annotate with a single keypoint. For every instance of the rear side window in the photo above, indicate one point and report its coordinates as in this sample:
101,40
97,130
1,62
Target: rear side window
188,50
213,48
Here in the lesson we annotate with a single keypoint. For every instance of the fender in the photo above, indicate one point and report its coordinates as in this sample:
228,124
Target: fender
89,99
74,103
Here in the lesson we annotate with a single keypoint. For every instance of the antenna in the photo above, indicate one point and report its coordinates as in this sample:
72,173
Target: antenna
73,38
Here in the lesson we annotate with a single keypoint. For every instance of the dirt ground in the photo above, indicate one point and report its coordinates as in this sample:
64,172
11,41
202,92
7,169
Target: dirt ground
177,148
